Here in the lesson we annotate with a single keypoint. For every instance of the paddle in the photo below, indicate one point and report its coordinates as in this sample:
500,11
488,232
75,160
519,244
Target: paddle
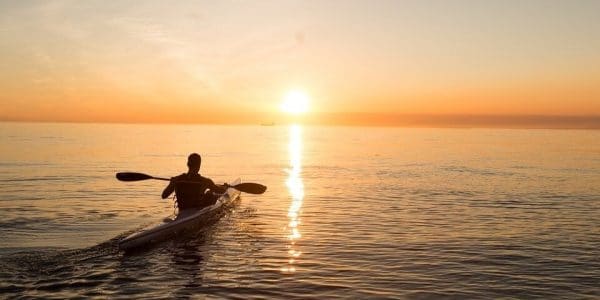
246,187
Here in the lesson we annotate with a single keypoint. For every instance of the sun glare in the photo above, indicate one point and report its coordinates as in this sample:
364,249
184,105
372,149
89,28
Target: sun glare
295,102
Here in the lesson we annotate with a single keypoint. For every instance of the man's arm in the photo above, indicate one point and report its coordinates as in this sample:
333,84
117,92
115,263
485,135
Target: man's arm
169,189
219,189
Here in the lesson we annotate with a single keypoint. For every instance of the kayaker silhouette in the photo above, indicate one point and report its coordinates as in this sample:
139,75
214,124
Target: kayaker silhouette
192,190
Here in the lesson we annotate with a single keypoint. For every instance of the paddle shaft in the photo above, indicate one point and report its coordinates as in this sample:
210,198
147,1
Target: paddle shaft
167,179
247,187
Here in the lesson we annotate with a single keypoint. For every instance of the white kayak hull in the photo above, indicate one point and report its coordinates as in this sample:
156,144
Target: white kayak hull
185,220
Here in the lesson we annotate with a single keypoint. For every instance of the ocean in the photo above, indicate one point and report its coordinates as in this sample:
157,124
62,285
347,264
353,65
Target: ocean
350,212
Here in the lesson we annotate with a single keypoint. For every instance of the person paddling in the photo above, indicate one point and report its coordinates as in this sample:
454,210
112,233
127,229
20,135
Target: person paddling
192,190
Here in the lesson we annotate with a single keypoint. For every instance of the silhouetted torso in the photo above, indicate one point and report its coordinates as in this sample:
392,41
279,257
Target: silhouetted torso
190,191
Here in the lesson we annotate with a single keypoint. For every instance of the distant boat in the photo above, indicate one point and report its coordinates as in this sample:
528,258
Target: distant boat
268,124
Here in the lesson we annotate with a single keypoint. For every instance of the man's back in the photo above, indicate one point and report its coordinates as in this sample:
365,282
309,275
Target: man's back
190,191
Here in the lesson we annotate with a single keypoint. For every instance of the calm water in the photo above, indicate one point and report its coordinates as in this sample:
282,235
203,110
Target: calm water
349,213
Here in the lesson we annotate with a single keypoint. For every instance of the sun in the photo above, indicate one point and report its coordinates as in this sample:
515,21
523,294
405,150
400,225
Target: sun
295,102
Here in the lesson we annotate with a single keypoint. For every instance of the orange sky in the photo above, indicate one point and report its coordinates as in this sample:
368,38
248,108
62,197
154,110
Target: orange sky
232,62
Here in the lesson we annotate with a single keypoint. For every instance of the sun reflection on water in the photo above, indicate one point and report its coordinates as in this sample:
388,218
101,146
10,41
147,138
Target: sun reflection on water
296,189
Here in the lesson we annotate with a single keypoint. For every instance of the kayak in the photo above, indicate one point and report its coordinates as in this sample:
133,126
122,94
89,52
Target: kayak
185,220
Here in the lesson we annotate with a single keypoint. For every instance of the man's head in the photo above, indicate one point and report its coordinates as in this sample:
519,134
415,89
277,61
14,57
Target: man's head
194,161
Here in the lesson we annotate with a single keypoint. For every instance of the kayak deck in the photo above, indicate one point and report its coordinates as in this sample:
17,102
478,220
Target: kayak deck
186,219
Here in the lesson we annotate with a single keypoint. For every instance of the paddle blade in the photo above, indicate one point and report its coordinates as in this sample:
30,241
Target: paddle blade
250,188
130,176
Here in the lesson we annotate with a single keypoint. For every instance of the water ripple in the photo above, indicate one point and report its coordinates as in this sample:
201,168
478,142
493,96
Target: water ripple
391,214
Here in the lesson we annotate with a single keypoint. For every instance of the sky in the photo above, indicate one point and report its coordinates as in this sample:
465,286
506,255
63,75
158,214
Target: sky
359,62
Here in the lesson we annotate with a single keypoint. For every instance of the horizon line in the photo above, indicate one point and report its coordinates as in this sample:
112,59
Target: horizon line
531,121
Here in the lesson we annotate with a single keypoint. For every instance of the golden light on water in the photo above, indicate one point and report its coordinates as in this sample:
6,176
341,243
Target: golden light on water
296,190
